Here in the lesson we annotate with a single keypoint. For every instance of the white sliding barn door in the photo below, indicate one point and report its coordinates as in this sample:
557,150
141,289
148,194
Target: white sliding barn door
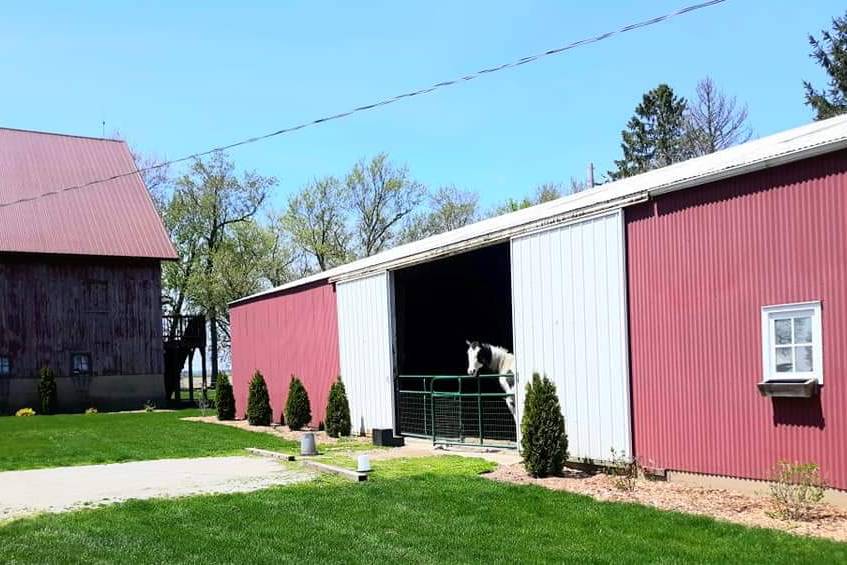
569,304
364,342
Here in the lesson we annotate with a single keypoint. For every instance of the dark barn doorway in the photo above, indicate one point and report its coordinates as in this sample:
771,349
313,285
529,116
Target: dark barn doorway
437,306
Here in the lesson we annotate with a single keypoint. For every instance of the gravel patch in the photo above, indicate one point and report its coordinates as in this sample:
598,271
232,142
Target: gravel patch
829,522
70,488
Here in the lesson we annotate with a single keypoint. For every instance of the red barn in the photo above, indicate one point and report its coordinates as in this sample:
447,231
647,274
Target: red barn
80,282
692,317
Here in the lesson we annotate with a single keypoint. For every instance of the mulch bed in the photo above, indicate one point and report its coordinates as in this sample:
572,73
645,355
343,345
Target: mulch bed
277,430
828,522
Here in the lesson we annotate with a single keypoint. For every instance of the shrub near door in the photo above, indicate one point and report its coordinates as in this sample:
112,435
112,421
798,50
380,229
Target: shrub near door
544,444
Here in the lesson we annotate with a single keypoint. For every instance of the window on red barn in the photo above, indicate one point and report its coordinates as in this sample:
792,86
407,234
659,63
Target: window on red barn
791,341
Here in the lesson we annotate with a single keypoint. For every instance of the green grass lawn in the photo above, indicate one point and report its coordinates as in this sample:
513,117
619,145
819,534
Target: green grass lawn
78,439
432,510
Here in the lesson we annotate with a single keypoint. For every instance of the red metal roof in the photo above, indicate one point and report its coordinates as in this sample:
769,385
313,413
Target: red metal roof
115,218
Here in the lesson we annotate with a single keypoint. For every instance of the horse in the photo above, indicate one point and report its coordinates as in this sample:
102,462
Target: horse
497,359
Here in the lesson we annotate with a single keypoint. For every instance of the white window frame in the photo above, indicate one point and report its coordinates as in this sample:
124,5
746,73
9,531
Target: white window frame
771,313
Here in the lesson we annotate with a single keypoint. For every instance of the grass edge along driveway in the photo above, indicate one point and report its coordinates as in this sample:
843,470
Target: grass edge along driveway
428,510
79,439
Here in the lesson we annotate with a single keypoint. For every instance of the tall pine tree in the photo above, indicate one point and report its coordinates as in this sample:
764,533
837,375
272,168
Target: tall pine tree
655,135
830,51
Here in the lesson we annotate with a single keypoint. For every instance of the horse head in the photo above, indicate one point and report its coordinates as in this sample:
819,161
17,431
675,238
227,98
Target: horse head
479,356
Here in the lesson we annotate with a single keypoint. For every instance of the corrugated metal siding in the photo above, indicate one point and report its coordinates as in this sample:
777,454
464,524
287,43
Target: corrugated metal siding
570,323
293,333
364,338
702,263
114,218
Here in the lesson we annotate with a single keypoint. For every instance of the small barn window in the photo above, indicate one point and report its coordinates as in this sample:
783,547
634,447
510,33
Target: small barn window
81,364
5,366
96,296
791,342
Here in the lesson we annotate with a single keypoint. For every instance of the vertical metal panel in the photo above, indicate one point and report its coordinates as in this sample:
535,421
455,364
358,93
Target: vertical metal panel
702,263
570,323
364,338
291,333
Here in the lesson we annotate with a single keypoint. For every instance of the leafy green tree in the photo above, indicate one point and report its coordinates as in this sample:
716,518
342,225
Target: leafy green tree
209,202
316,219
298,412
337,411
448,208
224,399
655,136
47,391
381,196
258,402
830,52
543,193
544,443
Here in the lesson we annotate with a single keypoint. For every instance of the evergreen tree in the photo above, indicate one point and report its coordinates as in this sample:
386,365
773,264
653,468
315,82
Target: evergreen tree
830,52
224,399
258,402
47,391
337,411
544,443
298,413
655,135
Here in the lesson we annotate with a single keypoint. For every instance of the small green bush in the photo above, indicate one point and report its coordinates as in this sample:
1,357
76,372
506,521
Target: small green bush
298,413
224,399
47,391
25,412
258,402
337,411
797,490
544,443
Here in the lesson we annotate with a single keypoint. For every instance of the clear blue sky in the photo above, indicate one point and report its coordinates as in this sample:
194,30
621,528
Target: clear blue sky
174,79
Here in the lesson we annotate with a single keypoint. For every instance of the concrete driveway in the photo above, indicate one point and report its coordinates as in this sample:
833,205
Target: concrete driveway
69,488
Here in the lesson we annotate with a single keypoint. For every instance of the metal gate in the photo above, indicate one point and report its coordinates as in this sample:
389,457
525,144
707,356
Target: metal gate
457,409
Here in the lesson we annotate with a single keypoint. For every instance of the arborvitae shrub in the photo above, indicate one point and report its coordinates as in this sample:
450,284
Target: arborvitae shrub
224,399
47,391
258,402
544,443
298,413
337,411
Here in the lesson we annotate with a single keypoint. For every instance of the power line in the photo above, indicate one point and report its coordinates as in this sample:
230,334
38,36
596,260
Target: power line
384,102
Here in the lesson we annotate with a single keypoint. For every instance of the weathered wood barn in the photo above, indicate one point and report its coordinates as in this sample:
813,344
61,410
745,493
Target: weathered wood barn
692,317
79,273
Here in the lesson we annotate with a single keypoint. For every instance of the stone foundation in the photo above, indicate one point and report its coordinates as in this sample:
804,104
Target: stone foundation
104,392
